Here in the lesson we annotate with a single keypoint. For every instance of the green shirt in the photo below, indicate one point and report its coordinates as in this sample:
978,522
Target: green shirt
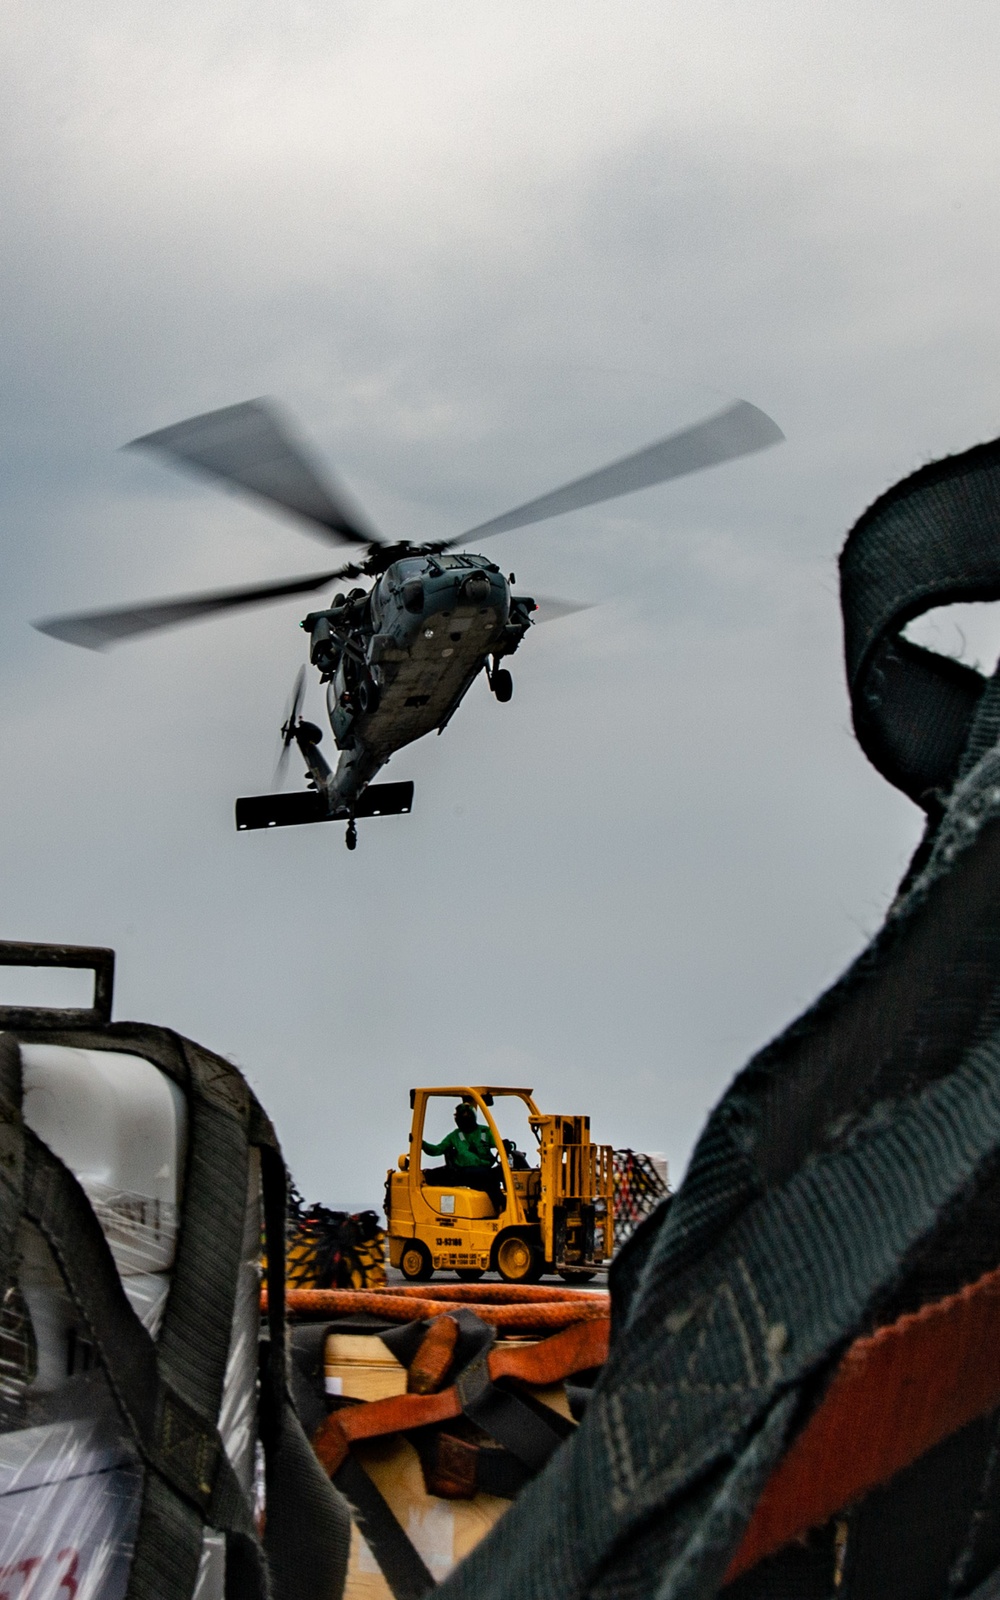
460,1149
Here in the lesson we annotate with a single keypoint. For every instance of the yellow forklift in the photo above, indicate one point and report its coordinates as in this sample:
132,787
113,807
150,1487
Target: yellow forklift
556,1216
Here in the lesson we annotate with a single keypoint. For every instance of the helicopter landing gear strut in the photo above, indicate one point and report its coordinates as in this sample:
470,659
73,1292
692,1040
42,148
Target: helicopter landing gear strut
501,682
351,836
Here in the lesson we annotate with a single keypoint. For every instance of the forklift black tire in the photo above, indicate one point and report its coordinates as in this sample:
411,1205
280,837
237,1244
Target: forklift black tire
518,1260
468,1274
415,1262
577,1277
502,685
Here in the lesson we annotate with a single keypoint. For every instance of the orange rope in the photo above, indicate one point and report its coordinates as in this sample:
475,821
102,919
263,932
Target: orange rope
505,1293
525,1315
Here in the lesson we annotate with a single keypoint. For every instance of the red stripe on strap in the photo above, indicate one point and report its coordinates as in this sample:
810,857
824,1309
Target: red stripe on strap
895,1394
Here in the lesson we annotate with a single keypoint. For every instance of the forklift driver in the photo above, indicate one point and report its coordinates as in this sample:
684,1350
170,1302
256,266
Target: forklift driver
469,1159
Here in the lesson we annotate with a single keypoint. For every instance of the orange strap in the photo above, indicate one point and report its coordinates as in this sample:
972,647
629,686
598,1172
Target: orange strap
434,1356
576,1349
522,1316
551,1360
895,1394
334,1437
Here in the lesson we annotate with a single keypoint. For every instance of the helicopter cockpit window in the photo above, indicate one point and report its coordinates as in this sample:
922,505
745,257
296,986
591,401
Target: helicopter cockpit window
448,563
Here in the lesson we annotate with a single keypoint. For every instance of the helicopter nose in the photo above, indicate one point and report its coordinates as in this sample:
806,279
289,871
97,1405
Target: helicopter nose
476,588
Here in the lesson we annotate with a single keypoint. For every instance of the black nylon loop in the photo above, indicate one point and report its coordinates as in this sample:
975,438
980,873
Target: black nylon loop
930,540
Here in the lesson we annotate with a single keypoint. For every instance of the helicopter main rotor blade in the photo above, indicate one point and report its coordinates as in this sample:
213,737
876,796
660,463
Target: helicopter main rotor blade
549,609
738,431
96,630
250,444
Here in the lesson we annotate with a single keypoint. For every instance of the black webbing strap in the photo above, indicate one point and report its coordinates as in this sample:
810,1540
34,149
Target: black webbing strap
989,1589
531,1433
11,1159
499,1473
308,1532
458,1467
401,1564
180,1452
190,1355
529,1430
307,1374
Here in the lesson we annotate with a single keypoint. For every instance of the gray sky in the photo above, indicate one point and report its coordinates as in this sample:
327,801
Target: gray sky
478,249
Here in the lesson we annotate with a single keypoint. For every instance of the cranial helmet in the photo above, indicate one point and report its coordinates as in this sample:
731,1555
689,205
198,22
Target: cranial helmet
465,1115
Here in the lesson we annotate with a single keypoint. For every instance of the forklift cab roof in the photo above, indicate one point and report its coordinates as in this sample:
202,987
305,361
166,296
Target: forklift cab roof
485,1092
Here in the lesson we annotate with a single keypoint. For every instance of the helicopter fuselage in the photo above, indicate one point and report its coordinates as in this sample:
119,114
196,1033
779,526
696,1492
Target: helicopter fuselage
399,658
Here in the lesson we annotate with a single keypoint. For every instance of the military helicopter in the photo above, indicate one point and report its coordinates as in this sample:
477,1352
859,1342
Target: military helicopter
398,657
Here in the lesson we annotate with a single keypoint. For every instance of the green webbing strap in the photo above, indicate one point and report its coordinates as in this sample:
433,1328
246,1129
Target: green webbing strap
850,1173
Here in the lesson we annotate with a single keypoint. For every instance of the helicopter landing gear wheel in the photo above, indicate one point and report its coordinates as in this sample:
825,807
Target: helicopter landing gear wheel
518,1260
368,696
415,1262
502,685
351,836
468,1274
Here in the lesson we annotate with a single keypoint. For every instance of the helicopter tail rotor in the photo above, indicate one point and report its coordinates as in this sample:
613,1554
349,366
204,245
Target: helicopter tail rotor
290,726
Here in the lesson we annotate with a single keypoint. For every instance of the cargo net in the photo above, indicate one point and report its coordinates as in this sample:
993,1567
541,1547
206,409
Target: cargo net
639,1188
333,1249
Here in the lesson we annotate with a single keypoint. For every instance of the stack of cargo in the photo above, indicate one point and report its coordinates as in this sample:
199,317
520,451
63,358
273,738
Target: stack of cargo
431,1409
330,1249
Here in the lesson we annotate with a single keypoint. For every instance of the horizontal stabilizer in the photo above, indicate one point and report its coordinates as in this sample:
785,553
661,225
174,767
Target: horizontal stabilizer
290,810
280,810
385,800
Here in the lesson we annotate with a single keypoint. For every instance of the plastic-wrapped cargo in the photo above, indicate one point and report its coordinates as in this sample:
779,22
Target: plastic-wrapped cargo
137,1177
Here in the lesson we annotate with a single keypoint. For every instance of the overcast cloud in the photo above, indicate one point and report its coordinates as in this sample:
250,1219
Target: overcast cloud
477,249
